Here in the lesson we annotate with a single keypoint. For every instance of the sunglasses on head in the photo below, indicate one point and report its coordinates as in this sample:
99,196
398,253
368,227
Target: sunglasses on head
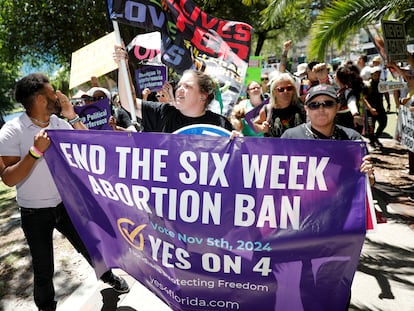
324,104
282,89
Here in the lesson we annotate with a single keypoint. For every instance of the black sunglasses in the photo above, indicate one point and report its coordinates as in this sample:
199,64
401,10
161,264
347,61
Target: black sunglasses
324,104
282,89
93,99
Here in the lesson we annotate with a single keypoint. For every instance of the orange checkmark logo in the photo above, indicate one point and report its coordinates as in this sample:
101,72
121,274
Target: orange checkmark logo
135,238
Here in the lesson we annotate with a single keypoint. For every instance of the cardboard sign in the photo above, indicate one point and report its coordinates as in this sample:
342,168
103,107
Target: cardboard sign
94,59
395,41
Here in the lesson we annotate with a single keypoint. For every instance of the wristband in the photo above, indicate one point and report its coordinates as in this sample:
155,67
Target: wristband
74,120
37,151
33,153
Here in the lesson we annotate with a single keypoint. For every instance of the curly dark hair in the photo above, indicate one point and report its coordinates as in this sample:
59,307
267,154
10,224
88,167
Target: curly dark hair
27,87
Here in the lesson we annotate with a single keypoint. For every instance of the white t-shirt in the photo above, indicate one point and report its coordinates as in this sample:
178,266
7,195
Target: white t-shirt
365,73
38,190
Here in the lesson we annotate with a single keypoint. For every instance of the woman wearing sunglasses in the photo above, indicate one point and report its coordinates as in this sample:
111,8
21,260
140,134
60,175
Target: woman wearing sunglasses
284,110
321,105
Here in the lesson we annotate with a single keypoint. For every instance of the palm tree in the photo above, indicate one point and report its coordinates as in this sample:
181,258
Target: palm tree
343,17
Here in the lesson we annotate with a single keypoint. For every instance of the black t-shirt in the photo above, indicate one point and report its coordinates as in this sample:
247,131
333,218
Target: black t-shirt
161,117
122,117
281,119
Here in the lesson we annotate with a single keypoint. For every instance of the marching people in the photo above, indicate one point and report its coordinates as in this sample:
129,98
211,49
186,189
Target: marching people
284,109
375,111
377,61
364,68
41,206
349,93
321,107
193,94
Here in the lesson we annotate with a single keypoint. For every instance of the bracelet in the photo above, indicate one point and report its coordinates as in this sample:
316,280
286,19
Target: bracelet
34,154
74,120
37,151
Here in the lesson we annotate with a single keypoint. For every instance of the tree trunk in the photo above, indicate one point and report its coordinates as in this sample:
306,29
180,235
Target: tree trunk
261,37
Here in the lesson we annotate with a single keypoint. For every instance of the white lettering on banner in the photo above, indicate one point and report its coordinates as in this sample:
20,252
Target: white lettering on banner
215,263
189,205
171,256
194,174
245,212
139,161
90,158
256,169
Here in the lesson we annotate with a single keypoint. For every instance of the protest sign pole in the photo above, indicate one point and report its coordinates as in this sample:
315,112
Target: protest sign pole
125,74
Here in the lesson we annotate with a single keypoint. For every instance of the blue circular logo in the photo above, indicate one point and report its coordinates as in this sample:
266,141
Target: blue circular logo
203,129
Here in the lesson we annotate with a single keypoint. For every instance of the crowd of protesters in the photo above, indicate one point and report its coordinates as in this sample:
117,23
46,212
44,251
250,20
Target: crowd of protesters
314,102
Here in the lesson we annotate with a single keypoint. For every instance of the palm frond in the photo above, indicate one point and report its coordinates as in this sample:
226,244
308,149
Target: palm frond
342,17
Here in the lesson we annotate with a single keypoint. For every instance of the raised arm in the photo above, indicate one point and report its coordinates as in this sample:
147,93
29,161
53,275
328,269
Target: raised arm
283,62
119,54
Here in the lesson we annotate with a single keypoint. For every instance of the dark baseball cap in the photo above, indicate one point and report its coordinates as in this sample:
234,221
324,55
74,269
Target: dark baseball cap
321,89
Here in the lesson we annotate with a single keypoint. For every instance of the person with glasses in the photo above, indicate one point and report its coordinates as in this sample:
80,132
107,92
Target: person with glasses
321,106
284,109
264,79
254,93
95,94
255,99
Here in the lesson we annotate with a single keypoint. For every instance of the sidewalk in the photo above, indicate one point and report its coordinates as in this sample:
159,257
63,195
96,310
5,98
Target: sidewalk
94,295
385,276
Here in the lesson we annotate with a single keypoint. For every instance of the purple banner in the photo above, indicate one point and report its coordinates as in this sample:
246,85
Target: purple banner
211,224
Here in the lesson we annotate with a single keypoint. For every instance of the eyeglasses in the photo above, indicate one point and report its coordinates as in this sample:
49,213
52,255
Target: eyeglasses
282,89
264,79
254,88
324,104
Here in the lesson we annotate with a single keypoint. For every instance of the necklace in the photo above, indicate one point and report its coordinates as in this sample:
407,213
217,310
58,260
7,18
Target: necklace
40,122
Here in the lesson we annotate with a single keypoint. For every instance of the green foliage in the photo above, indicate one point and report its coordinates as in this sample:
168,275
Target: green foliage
343,17
7,81
49,31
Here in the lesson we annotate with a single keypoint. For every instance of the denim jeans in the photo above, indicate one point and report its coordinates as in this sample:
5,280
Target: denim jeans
38,226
